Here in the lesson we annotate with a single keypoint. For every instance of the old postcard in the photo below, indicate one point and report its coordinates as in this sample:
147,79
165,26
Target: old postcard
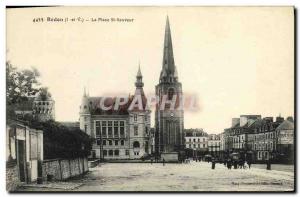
150,99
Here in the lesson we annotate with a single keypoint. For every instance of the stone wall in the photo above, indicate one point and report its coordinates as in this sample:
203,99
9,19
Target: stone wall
62,169
12,177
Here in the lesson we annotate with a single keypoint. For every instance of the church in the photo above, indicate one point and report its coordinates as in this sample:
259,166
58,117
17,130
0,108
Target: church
169,120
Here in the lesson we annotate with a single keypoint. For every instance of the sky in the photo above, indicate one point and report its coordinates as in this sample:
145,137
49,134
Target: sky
237,60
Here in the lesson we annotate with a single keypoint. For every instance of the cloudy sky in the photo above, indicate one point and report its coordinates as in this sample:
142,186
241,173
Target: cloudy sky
237,60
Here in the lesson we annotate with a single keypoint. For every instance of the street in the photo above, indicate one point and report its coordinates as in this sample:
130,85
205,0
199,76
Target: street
196,176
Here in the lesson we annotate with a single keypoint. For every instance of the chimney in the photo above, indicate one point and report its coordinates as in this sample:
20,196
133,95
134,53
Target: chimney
235,121
279,119
268,119
290,118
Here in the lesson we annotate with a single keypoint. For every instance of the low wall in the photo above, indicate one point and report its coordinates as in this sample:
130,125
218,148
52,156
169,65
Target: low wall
12,177
62,169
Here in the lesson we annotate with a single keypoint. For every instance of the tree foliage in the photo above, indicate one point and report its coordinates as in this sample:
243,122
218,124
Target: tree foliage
44,93
63,142
20,84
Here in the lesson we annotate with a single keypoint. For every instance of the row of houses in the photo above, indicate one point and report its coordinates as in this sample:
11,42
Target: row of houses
260,139
198,143
250,137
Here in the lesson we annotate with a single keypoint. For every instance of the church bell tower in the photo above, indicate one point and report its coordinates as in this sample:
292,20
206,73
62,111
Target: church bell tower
169,116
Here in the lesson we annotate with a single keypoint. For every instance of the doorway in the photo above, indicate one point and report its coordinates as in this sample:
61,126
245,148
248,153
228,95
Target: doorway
21,158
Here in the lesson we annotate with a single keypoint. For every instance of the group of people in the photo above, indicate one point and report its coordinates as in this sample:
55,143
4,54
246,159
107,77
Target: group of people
240,163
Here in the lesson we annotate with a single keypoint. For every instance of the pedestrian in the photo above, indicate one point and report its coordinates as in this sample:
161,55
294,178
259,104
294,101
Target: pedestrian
229,164
240,163
235,164
163,161
268,164
249,163
213,164
151,160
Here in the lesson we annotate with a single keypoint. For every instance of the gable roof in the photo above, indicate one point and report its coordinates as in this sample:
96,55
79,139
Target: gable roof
286,125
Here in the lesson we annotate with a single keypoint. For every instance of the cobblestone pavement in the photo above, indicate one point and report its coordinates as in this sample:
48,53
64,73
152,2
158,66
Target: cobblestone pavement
196,176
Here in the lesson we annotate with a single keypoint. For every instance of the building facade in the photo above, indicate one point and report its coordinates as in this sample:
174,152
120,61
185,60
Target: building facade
258,139
214,145
120,132
285,146
196,142
222,145
169,117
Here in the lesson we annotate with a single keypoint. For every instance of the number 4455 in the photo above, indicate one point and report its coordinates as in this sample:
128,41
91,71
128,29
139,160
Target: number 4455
37,20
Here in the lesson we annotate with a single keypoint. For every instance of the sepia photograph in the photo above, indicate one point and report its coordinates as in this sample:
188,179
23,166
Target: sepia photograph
150,99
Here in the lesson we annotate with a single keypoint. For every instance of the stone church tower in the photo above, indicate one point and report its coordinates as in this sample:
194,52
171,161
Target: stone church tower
169,115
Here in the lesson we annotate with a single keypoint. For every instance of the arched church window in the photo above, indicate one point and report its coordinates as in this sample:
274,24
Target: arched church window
170,93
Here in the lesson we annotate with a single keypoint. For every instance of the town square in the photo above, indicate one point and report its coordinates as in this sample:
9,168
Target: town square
195,176
104,106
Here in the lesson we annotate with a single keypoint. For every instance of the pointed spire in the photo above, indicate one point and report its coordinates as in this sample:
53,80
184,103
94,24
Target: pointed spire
168,59
139,78
168,68
84,92
139,73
